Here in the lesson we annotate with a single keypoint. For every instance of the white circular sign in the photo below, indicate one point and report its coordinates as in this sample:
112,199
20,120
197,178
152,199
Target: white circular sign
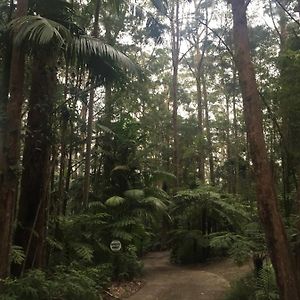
115,246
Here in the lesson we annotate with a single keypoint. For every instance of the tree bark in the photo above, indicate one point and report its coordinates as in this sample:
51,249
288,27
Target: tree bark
235,134
201,157
269,213
30,234
175,43
10,150
108,162
87,167
208,134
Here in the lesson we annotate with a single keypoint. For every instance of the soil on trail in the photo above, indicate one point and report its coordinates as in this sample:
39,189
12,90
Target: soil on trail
164,281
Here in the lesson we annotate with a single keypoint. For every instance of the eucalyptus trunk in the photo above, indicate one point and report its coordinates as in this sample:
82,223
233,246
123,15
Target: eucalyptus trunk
267,201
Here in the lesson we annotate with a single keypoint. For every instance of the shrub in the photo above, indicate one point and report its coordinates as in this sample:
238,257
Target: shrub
197,214
251,287
126,264
65,283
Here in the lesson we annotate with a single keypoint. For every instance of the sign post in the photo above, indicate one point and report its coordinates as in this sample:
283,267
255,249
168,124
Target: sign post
115,246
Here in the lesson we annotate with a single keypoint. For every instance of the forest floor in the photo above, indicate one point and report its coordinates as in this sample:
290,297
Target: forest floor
164,281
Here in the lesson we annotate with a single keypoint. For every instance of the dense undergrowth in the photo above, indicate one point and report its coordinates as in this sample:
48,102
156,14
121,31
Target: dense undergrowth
196,224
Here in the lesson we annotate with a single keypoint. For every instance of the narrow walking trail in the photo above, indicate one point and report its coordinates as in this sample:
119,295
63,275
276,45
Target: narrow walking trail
164,281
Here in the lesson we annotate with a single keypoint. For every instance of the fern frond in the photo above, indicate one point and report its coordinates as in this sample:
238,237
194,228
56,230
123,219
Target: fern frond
84,251
134,194
114,201
17,255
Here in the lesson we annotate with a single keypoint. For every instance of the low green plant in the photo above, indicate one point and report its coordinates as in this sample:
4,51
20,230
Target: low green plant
243,289
255,287
63,283
126,265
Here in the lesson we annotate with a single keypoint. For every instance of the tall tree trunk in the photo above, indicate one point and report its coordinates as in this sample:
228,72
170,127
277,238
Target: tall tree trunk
10,150
36,163
266,197
63,144
107,149
175,43
87,167
88,153
201,158
235,134
208,133
4,85
230,168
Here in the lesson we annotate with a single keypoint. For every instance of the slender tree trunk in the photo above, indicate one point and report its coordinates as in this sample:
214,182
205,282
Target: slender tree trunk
87,167
235,134
266,197
108,162
174,87
230,170
63,142
208,134
10,150
200,128
36,163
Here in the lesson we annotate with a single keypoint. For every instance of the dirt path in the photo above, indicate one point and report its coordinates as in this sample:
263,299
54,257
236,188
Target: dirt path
167,282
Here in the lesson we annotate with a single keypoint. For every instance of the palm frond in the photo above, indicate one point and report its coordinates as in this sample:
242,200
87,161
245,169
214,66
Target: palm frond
114,201
104,129
159,176
87,46
124,222
39,31
135,194
120,168
156,203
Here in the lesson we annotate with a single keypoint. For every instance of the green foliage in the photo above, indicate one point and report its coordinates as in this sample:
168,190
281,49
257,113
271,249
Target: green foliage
266,284
250,287
126,265
199,215
86,237
243,289
248,242
114,201
68,283
17,255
